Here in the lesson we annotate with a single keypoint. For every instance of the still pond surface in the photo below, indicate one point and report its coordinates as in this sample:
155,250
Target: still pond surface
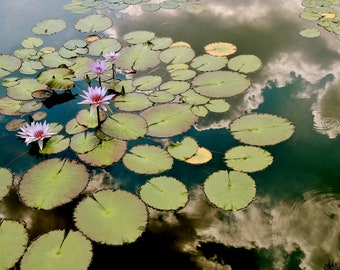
294,220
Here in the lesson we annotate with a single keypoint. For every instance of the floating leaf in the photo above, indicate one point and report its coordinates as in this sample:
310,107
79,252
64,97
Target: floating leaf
175,87
177,55
169,4
137,37
248,158
261,129
91,121
160,43
6,179
55,144
30,106
147,82
84,142
147,159
199,110
230,190
310,16
14,125
104,45
57,78
202,155
8,64
13,242
208,62
24,89
245,63
184,149
161,97
168,120
73,127
53,182
164,193
105,153
56,250
183,75
220,48
220,83
192,98
49,27
151,7
111,217
55,60
124,126
310,32
32,42
30,66
217,105
9,106
93,23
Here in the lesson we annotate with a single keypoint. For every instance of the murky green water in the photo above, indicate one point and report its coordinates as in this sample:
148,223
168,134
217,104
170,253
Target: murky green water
294,221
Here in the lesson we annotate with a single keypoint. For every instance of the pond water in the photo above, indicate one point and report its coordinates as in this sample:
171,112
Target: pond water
294,220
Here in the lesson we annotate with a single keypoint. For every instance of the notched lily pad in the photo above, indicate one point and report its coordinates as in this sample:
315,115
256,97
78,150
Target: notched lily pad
6,177
49,27
8,64
177,55
220,48
245,63
137,37
184,149
57,78
93,23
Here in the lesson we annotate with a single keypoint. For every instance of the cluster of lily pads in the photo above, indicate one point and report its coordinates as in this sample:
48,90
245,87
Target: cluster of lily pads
325,12
85,6
158,89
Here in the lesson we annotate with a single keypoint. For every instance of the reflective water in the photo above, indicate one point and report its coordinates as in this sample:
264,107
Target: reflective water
294,221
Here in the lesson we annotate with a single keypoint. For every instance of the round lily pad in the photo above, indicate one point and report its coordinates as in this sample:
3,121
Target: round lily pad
220,48
230,190
248,158
55,144
8,64
147,82
164,193
57,78
261,129
310,32
132,102
6,181
24,89
49,27
245,63
13,242
138,37
53,182
208,62
32,42
184,149
177,55
104,45
84,142
111,217
56,250
93,23
147,159
175,87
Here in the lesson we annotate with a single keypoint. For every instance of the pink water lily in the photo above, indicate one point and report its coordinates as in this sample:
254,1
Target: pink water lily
97,67
96,97
111,56
35,132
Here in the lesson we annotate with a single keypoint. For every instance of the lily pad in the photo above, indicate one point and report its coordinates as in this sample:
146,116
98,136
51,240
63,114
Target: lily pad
137,37
147,82
220,83
53,182
161,97
248,158
73,127
261,129
55,144
208,62
9,106
193,98
54,60
175,87
132,102
6,177
30,66
104,45
160,43
220,49
310,32
177,55
56,250
84,142
184,149
147,159
13,242
164,193
230,190
245,63
151,7
168,120
57,78
85,119
49,27
111,217
124,126
8,64
217,105
183,74
32,42
24,89
94,23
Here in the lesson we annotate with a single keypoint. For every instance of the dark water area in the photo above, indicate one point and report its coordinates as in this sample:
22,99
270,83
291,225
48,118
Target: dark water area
294,221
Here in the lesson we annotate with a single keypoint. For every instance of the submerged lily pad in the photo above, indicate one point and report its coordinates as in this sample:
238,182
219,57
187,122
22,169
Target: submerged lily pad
13,242
220,83
230,190
111,217
248,158
147,159
49,27
6,177
93,23
168,120
8,64
164,193
56,250
261,129
53,182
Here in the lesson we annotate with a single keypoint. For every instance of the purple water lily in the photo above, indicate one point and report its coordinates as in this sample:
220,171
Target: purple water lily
97,67
111,56
35,132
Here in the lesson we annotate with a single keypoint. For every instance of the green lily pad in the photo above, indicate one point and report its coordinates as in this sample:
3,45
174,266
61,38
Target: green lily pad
26,53
73,48
310,32
230,190
24,88
184,149
199,110
151,7
248,158
160,43
13,242
54,60
111,217
73,127
261,129
84,142
175,87
164,193
132,102
177,55
217,105
147,82
124,126
80,67
8,64
55,144
192,98
56,250
53,182
118,6
84,118
220,83
208,62
29,67
104,45
137,57
245,63
147,159
138,37
49,27
77,8
310,16
183,74
161,97
6,177
93,23
169,4
105,153
9,106
57,78
32,42
30,106
168,120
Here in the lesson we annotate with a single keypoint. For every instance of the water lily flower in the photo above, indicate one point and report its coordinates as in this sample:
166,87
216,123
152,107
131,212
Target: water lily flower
97,67
111,56
96,97
35,132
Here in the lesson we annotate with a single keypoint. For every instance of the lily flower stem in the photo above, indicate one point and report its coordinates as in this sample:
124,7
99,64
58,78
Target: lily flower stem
113,72
98,117
100,81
